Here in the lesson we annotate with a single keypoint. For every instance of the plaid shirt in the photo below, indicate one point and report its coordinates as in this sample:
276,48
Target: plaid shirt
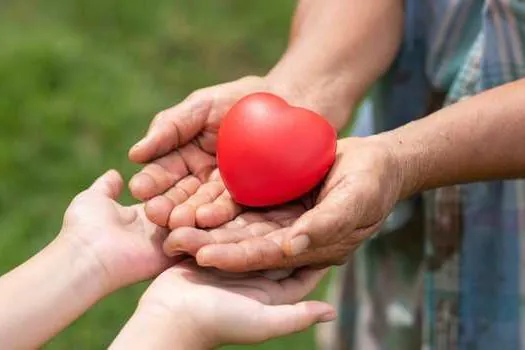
461,283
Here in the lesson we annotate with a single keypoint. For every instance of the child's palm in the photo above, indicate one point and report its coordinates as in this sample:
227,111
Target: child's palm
124,242
238,308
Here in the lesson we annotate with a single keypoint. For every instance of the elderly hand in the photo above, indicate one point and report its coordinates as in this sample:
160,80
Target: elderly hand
181,182
357,196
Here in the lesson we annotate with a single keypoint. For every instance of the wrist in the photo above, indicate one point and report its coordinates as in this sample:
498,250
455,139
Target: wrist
86,266
51,290
329,93
408,162
157,327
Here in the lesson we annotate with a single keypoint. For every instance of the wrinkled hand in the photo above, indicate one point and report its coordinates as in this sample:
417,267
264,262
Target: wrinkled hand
212,304
357,196
258,226
181,179
125,245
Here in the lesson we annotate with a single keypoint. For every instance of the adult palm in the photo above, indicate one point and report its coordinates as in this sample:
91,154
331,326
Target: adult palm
353,202
180,181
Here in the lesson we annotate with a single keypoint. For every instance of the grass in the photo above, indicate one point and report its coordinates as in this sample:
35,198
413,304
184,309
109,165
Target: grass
80,81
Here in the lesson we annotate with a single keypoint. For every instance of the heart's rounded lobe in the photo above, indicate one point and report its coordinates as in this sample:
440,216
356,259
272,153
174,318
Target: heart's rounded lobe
270,152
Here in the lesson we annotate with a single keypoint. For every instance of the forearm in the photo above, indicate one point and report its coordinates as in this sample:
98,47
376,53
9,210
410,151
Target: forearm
337,49
45,294
481,138
154,329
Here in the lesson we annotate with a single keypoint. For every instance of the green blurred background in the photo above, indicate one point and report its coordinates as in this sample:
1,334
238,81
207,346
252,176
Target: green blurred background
79,82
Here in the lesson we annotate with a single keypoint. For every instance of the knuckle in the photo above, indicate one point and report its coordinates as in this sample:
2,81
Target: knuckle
80,198
160,117
200,95
250,78
195,95
74,212
254,255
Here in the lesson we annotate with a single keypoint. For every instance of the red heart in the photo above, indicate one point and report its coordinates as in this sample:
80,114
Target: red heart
270,153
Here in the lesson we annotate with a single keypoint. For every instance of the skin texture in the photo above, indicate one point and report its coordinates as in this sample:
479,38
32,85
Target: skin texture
102,246
356,42
188,307
478,139
457,144
355,199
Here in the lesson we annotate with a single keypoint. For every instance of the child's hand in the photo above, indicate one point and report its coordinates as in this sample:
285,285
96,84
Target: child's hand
102,246
125,245
198,308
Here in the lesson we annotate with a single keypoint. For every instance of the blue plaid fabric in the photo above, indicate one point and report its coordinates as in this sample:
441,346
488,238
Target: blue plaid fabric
457,281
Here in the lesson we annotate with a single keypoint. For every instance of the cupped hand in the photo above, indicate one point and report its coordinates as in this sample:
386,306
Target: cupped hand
180,181
124,244
357,196
222,308
256,225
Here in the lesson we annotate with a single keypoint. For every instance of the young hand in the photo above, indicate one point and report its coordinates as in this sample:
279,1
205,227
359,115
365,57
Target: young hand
102,246
124,244
189,307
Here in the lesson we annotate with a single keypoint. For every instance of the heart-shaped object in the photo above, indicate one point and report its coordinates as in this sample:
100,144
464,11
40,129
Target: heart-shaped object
270,152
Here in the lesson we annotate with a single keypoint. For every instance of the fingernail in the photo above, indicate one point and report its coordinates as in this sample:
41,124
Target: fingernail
327,317
299,244
203,262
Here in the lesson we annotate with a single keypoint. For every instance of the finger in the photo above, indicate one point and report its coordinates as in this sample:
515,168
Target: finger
277,275
158,209
110,184
198,162
173,128
290,290
244,220
220,211
301,283
285,216
185,213
248,255
190,240
260,253
282,320
245,226
186,240
253,225
335,212
252,254
155,178
259,222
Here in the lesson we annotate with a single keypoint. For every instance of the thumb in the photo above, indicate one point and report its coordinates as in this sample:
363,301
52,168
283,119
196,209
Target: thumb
329,215
287,319
173,128
110,185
